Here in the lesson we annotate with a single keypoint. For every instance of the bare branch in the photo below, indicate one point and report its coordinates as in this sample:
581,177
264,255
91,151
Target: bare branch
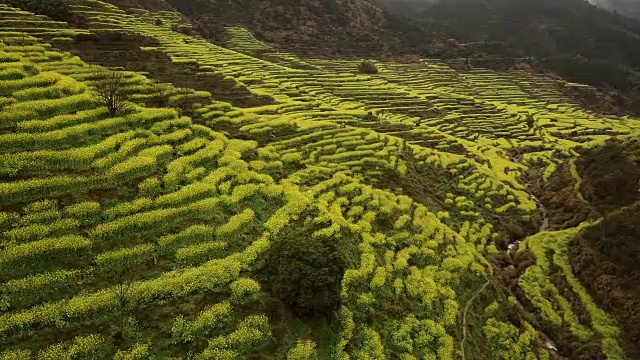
112,90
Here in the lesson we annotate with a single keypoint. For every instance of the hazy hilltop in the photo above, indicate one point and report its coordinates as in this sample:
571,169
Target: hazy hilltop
571,38
629,8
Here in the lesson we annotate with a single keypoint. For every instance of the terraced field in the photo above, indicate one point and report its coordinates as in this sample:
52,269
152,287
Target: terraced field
154,232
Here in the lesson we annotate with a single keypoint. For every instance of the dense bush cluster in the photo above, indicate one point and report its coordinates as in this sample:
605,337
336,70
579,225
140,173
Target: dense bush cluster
55,9
305,272
368,67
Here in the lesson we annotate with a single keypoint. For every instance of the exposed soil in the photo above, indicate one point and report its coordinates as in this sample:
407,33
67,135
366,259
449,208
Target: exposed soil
603,257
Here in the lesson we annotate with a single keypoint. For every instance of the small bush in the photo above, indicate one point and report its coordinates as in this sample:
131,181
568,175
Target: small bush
184,29
303,350
244,290
368,67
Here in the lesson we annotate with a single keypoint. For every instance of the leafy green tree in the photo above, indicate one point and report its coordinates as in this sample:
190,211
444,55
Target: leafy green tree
305,272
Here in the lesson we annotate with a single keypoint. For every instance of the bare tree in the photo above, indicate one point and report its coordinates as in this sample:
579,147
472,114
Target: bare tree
161,92
185,99
112,91
124,277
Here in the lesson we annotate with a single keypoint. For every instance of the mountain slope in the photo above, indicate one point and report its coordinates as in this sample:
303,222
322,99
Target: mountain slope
291,207
570,38
630,8
347,25
542,28
151,5
605,257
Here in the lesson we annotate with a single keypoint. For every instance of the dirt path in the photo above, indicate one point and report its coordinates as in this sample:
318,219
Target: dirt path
464,317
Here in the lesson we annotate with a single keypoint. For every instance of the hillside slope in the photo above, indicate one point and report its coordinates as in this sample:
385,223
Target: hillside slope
571,38
630,8
345,26
284,206
605,256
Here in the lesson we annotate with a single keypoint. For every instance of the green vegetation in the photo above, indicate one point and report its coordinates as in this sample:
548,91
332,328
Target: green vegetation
498,34
350,216
368,67
574,39
552,294
56,9
306,274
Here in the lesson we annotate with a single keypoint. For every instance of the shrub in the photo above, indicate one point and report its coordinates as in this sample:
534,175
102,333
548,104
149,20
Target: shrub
211,29
136,352
210,319
368,67
305,272
184,29
150,187
55,9
303,350
82,347
245,290
16,355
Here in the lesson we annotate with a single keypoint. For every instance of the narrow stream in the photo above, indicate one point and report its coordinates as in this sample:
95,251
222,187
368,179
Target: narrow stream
545,214
512,248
